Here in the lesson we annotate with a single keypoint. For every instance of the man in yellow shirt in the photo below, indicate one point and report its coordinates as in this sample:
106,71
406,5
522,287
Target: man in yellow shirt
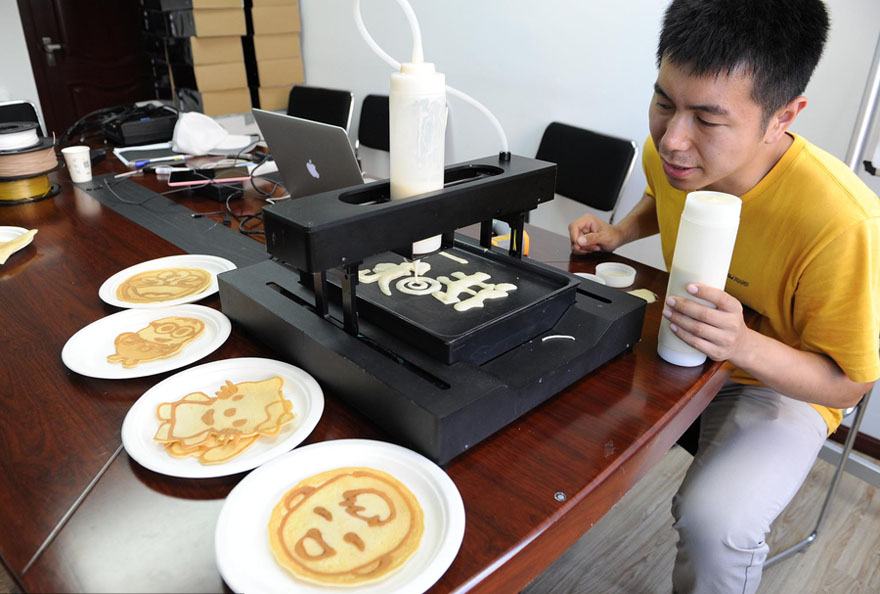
807,258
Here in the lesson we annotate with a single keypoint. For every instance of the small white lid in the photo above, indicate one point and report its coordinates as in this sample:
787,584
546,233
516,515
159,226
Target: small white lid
616,274
418,79
593,277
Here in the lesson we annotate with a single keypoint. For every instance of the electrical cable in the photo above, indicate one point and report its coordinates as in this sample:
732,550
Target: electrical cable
87,125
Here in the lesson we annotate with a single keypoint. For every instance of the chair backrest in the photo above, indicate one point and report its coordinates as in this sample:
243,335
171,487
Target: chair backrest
329,106
20,111
592,168
373,124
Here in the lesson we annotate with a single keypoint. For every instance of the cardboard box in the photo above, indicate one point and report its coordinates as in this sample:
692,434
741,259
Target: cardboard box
214,103
271,47
269,2
275,73
169,5
196,50
208,22
210,77
282,18
274,98
214,50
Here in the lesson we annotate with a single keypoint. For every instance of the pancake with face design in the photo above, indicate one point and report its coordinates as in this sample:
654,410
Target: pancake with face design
160,339
346,527
217,429
164,284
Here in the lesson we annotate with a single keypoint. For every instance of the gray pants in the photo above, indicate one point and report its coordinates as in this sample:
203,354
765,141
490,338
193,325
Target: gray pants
756,448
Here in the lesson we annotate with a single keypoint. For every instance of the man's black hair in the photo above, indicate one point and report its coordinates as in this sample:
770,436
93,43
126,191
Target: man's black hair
778,42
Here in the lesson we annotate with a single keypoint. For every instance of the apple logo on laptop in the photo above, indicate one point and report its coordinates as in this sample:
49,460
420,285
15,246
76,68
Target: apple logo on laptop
313,170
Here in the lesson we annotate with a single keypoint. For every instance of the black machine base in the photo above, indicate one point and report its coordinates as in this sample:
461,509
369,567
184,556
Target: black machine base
435,408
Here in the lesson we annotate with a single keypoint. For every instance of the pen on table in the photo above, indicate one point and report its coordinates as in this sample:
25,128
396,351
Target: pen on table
142,162
140,165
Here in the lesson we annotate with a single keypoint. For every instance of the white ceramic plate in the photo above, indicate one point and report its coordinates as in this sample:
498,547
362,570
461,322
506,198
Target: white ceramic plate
241,540
86,351
141,423
213,264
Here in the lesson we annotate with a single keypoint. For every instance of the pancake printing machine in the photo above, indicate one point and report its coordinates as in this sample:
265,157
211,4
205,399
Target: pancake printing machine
344,299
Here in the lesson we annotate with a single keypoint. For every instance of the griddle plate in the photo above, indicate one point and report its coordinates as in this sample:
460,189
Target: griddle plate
479,333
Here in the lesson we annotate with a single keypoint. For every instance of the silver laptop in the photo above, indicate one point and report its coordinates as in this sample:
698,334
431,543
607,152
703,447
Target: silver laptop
312,157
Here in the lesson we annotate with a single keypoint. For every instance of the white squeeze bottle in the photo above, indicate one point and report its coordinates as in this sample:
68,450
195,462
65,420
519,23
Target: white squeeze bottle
703,249
417,129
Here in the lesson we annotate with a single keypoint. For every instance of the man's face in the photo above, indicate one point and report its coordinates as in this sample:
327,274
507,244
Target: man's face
708,130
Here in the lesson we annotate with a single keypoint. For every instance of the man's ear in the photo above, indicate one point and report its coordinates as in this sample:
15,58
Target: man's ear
783,118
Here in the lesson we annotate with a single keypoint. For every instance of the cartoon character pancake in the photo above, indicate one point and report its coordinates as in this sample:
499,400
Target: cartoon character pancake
346,527
161,339
217,429
164,284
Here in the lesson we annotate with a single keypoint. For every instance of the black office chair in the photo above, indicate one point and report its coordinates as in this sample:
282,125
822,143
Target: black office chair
373,134
20,111
591,168
373,124
330,106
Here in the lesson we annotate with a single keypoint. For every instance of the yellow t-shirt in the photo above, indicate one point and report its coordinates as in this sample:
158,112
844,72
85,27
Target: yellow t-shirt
807,257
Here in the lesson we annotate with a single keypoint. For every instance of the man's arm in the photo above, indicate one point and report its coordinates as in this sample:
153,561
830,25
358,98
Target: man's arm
591,234
722,334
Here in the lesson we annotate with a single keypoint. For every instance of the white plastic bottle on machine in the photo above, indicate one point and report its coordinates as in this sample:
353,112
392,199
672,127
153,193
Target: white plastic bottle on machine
703,249
417,131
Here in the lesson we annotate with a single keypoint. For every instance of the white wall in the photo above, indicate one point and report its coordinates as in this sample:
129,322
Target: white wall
589,64
16,77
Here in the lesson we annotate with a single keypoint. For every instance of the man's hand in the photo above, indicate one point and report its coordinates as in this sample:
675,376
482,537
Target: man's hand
720,333
591,234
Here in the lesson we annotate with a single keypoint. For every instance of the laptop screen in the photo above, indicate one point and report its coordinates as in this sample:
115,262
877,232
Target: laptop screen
312,157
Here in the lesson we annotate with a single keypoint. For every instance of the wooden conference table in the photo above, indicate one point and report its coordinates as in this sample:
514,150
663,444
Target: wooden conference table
77,514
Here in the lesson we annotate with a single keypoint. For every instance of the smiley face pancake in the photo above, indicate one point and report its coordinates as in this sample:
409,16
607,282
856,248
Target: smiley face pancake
346,527
165,284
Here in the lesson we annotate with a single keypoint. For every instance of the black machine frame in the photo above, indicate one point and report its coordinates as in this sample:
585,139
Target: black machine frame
423,402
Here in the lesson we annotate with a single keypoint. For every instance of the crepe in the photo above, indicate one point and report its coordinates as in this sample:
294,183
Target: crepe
346,527
164,284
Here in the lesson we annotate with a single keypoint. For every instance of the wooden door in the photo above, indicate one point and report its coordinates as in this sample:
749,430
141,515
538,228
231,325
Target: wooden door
86,55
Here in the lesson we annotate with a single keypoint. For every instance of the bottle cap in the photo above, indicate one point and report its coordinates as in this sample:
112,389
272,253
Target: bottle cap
616,274
417,68
418,79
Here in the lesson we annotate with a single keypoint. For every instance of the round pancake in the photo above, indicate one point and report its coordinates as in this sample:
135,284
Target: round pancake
346,527
164,284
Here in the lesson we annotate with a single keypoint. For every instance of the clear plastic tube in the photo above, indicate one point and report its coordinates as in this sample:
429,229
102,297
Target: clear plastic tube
418,57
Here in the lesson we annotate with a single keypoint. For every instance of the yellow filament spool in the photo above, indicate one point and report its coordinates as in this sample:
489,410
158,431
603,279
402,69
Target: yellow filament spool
25,189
